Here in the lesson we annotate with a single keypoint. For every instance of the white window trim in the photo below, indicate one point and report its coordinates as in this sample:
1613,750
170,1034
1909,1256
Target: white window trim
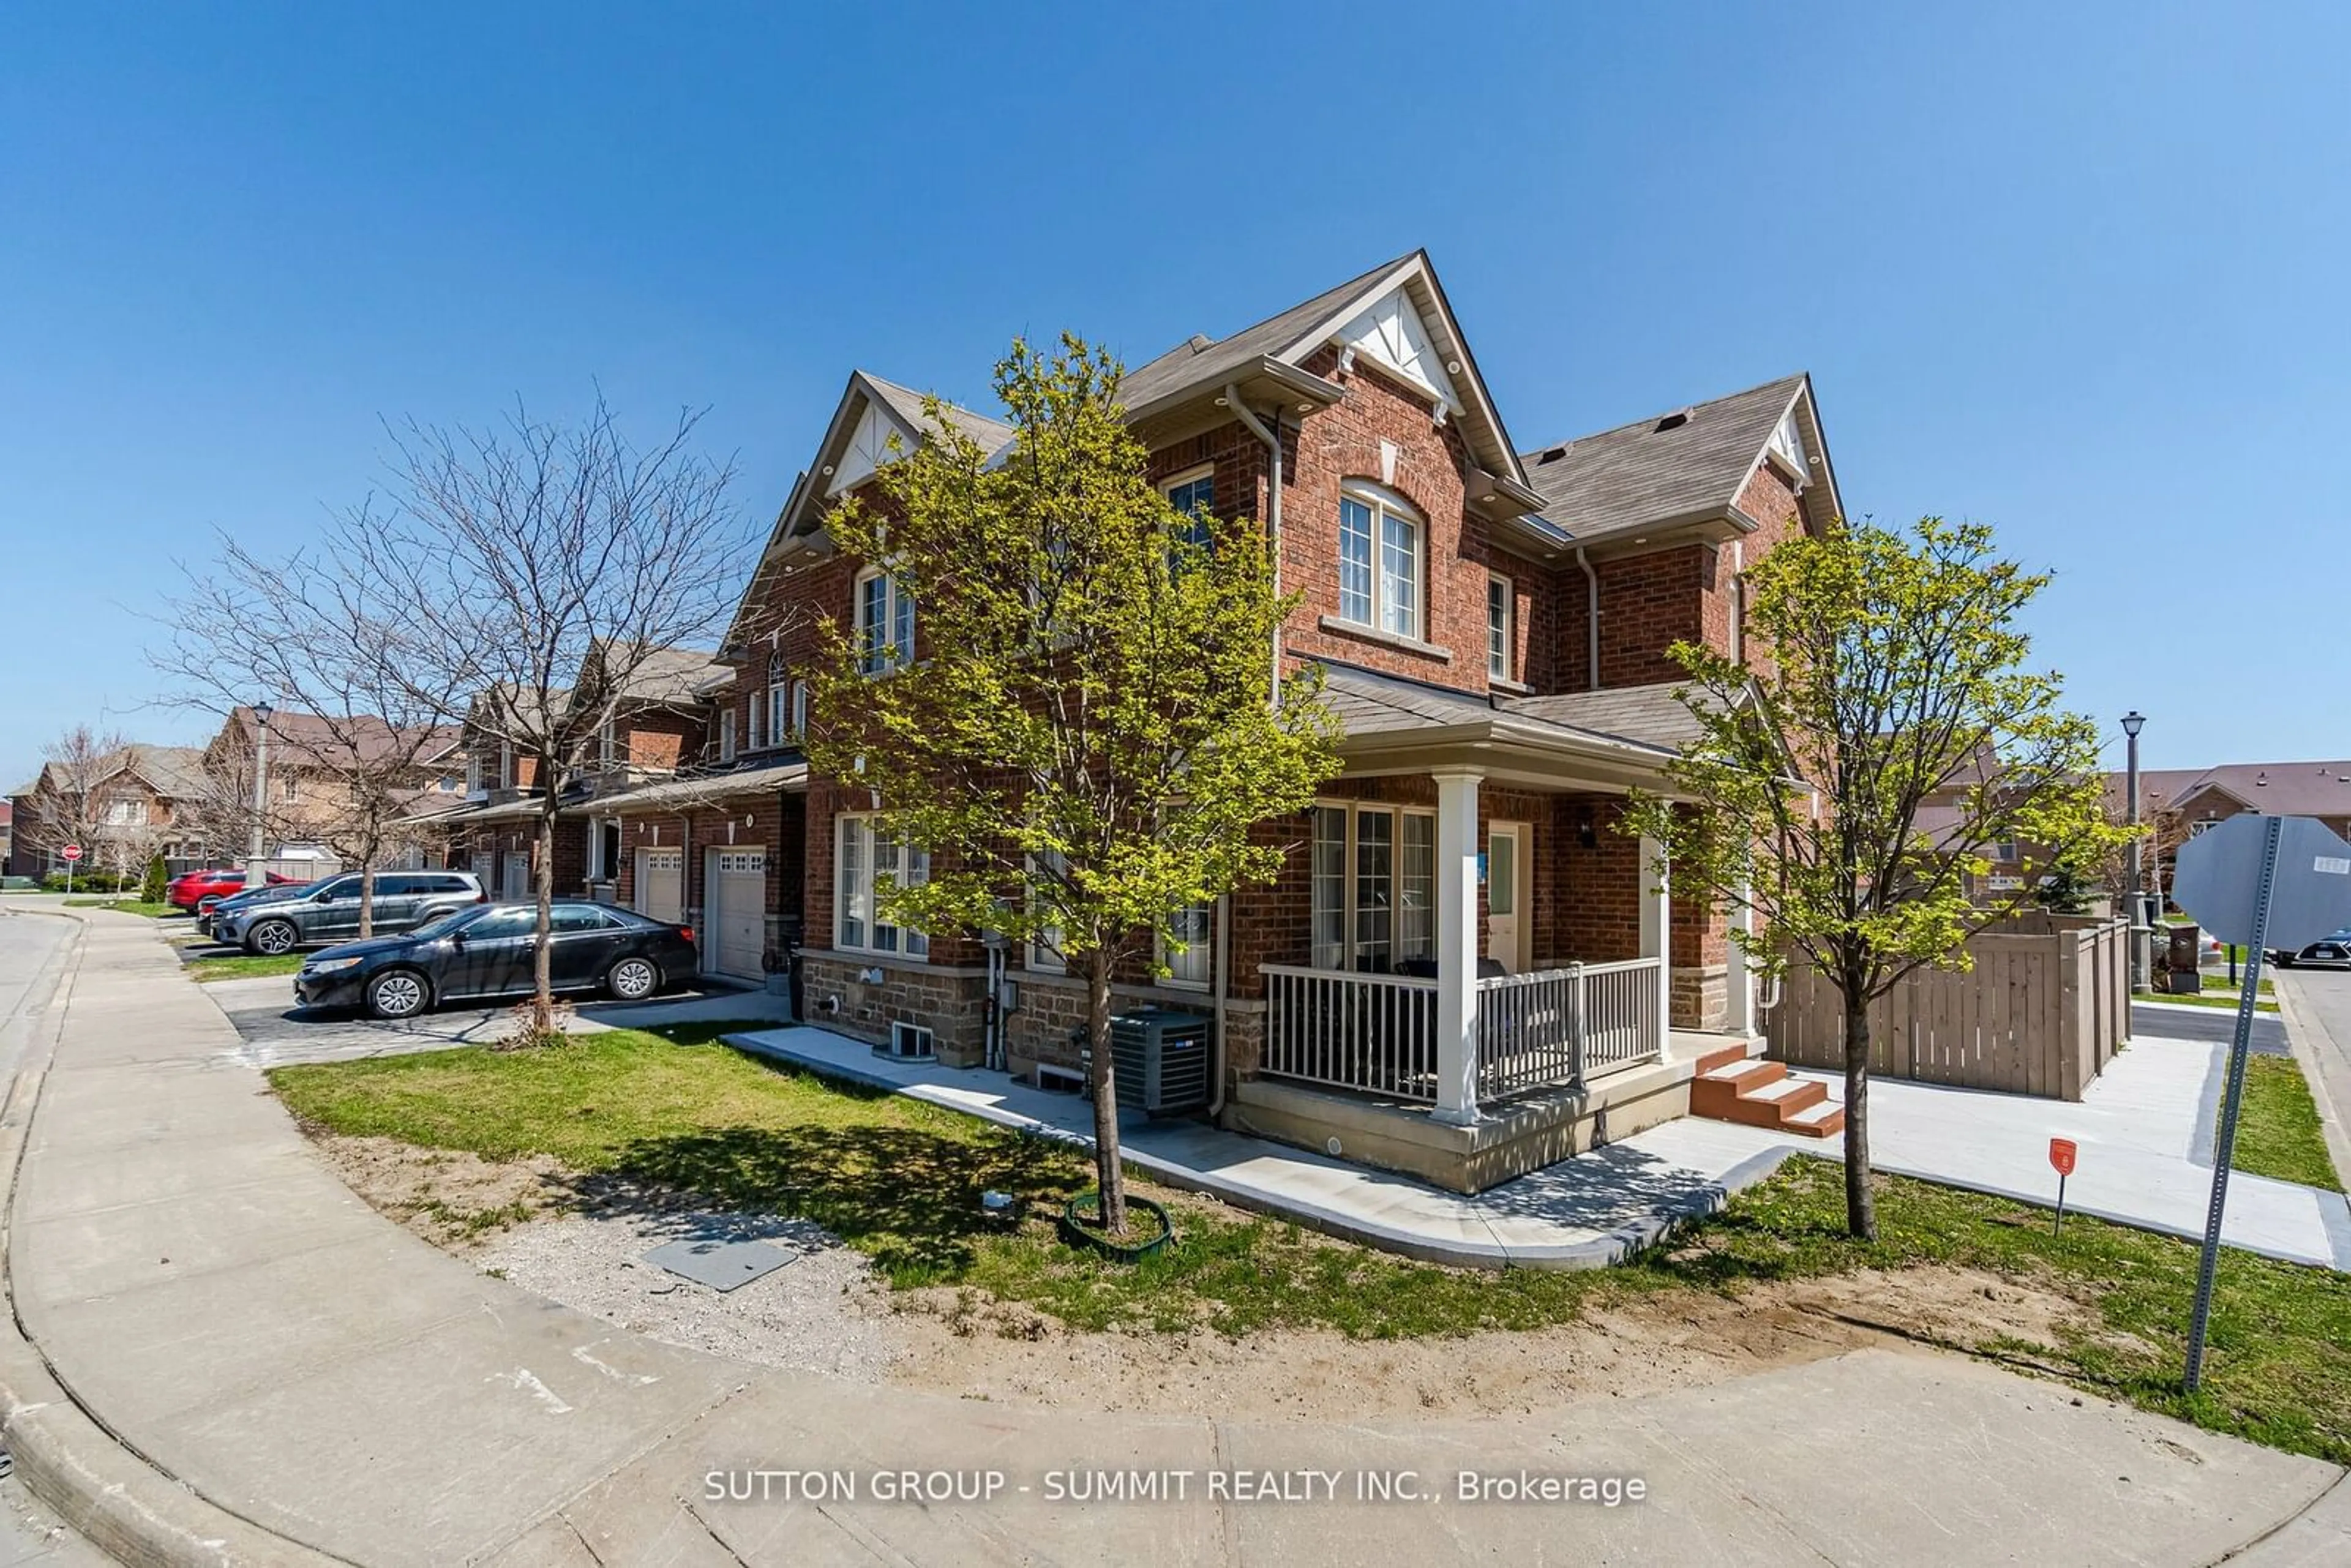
1192,475
896,657
911,943
1385,503
1350,912
779,715
726,733
800,707
754,721
1202,952
1507,655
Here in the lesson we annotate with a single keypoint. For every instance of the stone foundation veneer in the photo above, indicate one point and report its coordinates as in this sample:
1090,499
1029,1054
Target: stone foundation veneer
1702,997
951,1000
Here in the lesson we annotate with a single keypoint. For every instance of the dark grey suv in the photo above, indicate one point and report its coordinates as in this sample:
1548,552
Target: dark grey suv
316,914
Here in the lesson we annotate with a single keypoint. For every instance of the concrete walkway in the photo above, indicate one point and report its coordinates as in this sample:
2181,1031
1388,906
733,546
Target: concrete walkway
2145,1130
288,1374
1580,1213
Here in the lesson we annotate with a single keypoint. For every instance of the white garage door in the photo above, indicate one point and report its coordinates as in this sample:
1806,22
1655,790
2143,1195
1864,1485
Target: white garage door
738,919
485,871
518,880
660,883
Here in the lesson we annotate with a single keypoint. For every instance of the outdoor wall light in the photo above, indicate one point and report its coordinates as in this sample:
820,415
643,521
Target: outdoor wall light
1587,834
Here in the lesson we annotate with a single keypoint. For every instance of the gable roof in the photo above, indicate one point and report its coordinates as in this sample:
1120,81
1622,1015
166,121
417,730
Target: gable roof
1208,361
1642,476
2275,788
320,740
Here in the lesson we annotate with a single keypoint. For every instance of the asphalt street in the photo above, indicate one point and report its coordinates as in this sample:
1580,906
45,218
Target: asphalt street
28,945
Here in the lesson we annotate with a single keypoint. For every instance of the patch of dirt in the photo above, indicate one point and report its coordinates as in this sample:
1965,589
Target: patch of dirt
451,1199
532,1222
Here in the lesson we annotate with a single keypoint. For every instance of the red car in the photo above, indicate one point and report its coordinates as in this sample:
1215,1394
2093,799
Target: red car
191,888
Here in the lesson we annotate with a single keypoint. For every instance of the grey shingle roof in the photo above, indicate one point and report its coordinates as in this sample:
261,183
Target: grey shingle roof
671,676
1650,715
2276,789
1204,358
908,404
1637,474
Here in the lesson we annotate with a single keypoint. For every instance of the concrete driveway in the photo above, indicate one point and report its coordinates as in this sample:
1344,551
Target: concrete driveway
276,1030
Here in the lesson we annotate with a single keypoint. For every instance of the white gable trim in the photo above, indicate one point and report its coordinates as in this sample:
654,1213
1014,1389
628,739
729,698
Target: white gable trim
869,447
1390,330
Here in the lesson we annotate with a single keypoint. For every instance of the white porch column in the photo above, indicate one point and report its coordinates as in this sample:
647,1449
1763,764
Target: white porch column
1657,937
1456,946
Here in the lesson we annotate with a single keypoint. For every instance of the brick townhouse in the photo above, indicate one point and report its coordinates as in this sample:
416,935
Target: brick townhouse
1464,970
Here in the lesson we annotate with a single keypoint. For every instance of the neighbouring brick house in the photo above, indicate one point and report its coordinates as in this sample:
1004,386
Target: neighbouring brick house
128,806
313,767
1492,627
2180,802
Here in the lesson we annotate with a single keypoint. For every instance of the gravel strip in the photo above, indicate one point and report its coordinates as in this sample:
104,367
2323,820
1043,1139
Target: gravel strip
814,1314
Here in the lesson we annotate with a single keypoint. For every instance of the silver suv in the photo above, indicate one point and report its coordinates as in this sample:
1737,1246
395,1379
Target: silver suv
315,914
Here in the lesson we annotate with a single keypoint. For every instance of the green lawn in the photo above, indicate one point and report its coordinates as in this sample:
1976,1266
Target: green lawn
243,966
2278,1133
901,1181
126,906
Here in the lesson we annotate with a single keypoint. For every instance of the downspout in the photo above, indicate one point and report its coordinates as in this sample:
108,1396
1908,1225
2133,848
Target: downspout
1592,617
1273,439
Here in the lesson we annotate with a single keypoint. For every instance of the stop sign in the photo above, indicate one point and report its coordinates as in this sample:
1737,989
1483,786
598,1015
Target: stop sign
70,852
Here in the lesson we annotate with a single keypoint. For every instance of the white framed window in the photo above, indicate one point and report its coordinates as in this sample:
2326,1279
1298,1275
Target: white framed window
1373,876
755,720
608,742
1381,547
779,719
126,813
885,623
474,771
290,790
869,860
1044,950
726,734
800,707
1194,494
1184,946
505,765
1501,625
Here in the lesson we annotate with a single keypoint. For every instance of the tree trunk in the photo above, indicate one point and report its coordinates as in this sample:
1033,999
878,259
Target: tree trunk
367,896
542,972
1860,1203
1107,1170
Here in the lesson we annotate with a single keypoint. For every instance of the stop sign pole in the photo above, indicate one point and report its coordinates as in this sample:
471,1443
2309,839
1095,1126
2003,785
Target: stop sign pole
2225,1150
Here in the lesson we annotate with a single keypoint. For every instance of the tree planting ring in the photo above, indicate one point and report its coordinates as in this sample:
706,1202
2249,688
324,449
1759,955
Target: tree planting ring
1142,1213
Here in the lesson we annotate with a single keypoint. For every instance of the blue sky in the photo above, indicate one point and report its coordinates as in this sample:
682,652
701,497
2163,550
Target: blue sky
2078,271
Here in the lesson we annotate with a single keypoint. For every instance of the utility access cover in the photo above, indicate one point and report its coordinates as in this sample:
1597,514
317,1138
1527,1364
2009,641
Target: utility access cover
2219,880
721,1264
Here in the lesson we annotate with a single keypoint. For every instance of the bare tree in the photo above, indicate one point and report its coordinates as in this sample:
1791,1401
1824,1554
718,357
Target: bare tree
363,701
545,568
69,798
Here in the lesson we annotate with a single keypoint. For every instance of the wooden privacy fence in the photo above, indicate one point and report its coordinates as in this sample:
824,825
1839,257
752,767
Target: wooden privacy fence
2043,1011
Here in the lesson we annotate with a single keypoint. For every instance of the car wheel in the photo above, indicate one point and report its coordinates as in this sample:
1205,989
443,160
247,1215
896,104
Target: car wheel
634,980
398,994
271,936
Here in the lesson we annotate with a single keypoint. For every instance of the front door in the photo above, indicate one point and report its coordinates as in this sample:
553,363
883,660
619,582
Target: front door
1506,894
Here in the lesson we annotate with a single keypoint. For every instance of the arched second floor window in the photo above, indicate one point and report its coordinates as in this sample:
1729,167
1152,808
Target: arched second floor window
885,623
1381,548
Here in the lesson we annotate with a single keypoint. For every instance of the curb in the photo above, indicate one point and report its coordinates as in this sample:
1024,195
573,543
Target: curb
106,1492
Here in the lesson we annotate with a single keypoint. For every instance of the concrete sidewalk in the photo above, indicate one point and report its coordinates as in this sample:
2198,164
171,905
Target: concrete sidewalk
292,1374
1581,1213
2145,1130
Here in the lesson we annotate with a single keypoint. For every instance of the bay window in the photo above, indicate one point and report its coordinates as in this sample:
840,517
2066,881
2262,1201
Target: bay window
868,862
1380,555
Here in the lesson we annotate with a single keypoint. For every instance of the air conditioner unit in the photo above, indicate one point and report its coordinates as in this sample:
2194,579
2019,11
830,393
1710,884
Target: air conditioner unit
1159,1057
910,1042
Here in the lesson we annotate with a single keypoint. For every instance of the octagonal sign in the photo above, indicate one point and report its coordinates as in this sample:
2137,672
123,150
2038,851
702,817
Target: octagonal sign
2219,880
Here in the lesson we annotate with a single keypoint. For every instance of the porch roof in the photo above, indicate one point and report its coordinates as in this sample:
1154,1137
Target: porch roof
675,794
1395,724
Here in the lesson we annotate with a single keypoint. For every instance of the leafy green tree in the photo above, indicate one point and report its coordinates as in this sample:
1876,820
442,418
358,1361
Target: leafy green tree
1846,787
1087,738
156,883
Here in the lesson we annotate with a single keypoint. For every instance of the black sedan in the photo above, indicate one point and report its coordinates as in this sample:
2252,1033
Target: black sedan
491,950
2326,953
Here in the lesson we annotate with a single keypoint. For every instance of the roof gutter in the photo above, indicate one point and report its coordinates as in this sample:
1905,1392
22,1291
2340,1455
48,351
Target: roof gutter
1273,439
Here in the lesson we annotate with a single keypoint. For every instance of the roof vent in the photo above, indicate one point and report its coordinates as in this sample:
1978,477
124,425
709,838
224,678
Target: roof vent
1674,421
1551,454
1201,341
2262,779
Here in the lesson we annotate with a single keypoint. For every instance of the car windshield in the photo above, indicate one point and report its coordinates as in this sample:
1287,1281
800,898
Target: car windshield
447,923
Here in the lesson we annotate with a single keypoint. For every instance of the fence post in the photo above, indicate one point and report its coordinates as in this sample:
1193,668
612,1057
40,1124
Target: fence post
1578,1006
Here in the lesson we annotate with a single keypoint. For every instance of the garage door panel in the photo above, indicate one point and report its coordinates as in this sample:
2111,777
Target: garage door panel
661,884
737,893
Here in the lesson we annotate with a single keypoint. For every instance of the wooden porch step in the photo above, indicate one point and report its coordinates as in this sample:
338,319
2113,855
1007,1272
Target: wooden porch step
1730,1086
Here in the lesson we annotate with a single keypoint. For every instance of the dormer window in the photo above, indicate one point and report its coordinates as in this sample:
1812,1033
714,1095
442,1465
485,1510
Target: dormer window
885,623
1380,545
